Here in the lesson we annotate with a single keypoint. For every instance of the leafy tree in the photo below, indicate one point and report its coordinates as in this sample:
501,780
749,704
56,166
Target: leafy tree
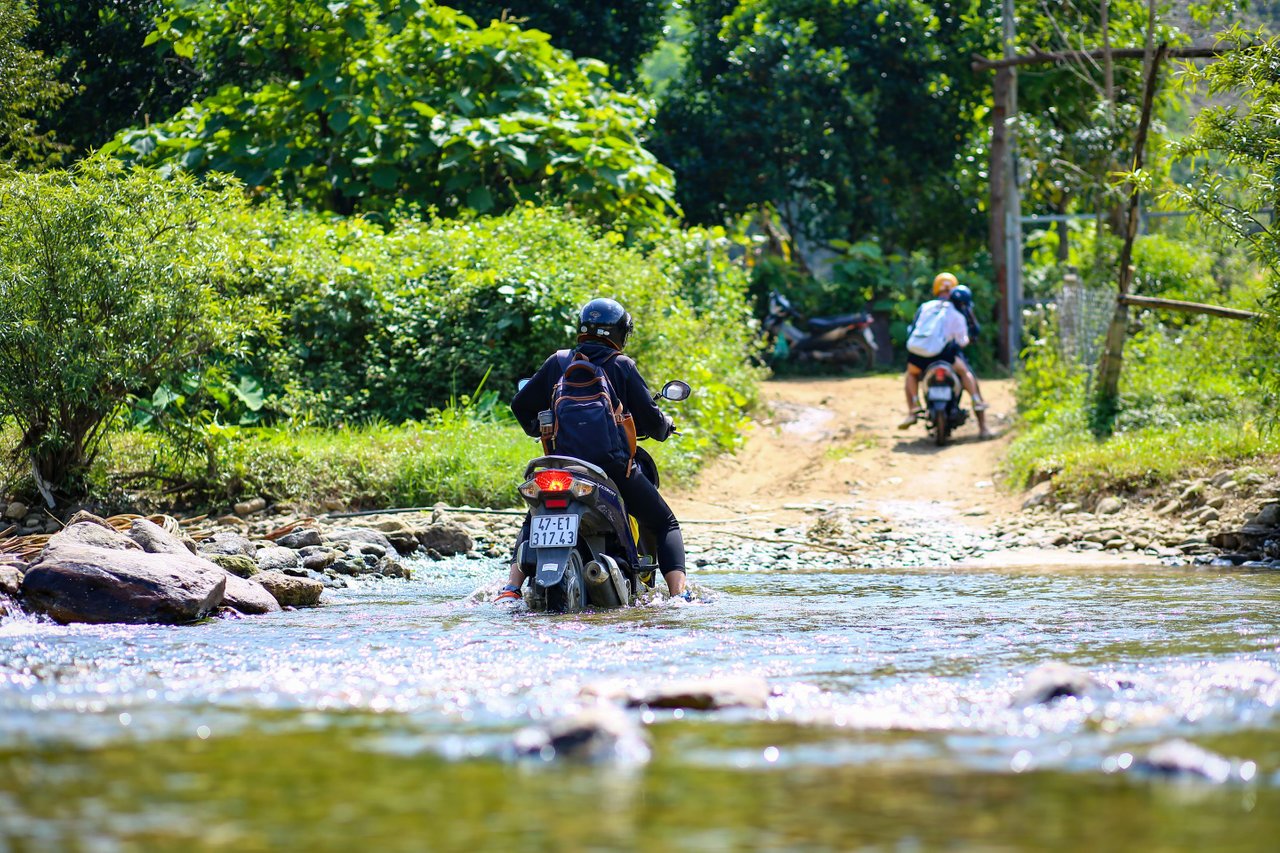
1232,156
115,82
365,105
110,282
28,86
617,32
1077,119
847,117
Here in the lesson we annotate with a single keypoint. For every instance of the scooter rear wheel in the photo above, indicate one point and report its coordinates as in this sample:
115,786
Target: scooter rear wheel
940,428
568,596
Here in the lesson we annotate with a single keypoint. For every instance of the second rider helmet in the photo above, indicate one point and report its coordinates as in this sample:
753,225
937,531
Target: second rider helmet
606,319
944,279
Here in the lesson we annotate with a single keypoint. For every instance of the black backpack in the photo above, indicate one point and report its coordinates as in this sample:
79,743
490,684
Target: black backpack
588,420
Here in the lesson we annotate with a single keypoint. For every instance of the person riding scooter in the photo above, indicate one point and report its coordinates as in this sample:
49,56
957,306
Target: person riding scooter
954,335
603,329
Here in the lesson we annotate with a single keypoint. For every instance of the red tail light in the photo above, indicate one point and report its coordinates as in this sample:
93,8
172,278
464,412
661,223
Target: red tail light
940,374
553,481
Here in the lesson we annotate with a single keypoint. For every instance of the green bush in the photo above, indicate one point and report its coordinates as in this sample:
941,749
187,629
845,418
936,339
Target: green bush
390,333
392,324
1191,387
112,280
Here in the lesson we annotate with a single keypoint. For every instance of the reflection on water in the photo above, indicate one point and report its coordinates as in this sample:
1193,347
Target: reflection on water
387,718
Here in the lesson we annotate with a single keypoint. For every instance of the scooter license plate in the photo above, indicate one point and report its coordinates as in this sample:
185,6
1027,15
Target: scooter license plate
553,531
938,392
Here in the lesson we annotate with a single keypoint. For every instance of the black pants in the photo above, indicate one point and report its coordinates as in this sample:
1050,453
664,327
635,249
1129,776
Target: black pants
650,509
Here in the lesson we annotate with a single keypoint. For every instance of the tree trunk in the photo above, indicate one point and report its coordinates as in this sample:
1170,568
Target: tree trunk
1108,387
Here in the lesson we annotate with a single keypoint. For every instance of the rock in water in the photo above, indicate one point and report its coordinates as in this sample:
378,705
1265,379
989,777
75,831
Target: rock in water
74,581
248,597
1051,680
237,564
700,694
601,733
1183,759
291,591
10,580
447,538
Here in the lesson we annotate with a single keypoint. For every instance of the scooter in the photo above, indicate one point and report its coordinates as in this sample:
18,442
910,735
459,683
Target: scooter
841,339
941,410
582,549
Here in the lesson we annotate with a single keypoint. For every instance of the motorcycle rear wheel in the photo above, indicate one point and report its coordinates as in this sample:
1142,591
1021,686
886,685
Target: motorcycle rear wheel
568,596
857,355
940,428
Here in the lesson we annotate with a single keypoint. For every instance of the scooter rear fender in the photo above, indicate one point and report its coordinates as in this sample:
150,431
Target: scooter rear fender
549,565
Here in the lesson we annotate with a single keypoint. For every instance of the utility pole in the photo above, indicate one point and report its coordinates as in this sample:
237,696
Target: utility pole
1013,231
1005,239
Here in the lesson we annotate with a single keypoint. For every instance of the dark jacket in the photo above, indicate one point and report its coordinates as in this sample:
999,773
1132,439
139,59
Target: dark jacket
623,375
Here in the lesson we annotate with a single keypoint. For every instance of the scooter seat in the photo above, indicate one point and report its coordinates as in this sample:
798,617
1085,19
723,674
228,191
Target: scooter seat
826,324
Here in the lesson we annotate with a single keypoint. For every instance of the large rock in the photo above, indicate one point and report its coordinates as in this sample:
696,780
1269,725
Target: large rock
1179,758
10,580
154,539
597,734
700,694
237,564
291,591
1055,679
94,535
276,559
228,542
446,538
301,538
248,597
359,534
403,538
89,574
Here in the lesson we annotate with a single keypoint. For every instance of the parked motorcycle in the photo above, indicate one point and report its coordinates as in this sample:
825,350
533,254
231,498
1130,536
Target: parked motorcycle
841,339
941,410
582,547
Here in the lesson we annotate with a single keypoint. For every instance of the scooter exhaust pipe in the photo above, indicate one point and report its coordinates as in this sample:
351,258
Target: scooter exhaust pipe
605,585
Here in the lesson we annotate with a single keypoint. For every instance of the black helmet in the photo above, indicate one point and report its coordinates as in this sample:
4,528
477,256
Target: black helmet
961,297
605,318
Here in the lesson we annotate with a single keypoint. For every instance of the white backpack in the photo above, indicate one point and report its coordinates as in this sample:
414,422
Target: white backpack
928,338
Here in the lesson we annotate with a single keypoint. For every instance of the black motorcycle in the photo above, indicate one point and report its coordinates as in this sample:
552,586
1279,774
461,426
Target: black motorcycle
844,339
941,410
582,548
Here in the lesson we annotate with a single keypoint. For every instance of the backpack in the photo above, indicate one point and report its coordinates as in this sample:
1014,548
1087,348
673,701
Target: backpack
928,338
588,421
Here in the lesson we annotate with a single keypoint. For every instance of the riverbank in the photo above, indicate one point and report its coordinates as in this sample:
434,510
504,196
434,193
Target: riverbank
827,475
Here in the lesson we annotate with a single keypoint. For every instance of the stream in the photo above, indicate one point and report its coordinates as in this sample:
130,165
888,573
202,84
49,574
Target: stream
386,718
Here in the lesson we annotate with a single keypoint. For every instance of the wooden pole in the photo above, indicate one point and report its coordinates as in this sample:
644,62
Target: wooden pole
1188,307
982,63
1000,173
1113,355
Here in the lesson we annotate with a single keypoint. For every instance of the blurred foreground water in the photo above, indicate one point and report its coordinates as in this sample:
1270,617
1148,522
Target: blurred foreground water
385,720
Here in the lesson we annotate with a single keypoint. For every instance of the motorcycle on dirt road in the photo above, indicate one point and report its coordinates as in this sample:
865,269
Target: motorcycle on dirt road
941,410
581,548
843,339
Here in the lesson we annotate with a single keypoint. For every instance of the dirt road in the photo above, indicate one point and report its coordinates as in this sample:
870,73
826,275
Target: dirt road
826,463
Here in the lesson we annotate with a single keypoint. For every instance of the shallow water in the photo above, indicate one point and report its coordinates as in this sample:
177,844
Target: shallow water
386,718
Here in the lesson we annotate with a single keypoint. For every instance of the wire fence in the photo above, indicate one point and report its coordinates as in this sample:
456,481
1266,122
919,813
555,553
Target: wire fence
1083,315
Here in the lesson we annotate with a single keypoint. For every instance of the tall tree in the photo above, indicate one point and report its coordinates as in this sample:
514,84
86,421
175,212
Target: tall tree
617,32
115,82
1232,157
369,104
28,87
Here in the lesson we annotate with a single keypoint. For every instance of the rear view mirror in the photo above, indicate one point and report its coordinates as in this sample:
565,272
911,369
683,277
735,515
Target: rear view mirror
676,390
